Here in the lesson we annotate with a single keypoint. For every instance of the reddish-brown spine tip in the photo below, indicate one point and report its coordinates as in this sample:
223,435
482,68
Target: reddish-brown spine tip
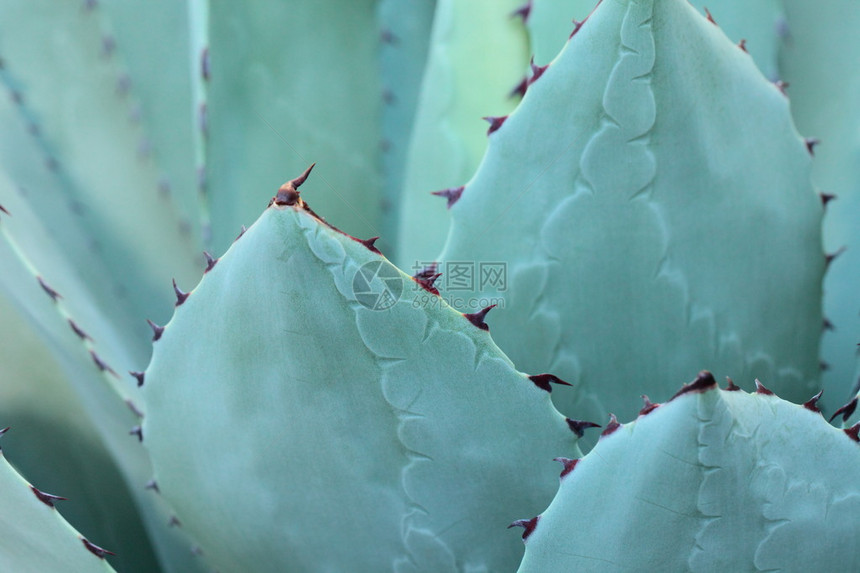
46,498
180,296
743,45
703,382
568,464
477,318
827,325
578,427
95,549
528,525
51,292
139,376
543,381
760,388
157,331
537,71
845,411
710,18
782,86
370,244
288,194
648,406
136,431
811,142
730,386
153,485
611,426
2,208
452,194
4,430
523,11
79,331
210,262
853,432
577,24
495,122
812,403
826,198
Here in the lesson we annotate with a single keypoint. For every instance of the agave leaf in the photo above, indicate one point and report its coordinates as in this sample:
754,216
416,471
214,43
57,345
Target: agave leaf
93,354
307,391
153,44
291,81
468,75
34,537
405,27
650,201
60,63
824,104
712,481
55,445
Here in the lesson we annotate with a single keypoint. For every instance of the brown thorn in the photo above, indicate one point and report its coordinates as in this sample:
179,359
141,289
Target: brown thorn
370,244
710,18
812,403
826,198
157,331
648,406
51,292
102,365
528,525
760,389
846,411
452,194
180,296
288,194
139,376
523,11
704,381
543,381
743,45
611,426
568,464
477,318
210,262
136,431
811,142
46,498
153,485
578,427
79,331
95,549
495,122
730,386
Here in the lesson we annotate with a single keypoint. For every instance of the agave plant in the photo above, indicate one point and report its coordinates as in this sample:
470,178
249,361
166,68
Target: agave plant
639,207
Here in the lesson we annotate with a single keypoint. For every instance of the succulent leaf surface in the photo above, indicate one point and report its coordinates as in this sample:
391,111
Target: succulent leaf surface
307,391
